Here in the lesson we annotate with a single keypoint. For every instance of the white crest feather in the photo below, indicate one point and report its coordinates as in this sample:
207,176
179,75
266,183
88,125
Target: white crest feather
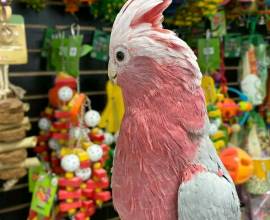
141,39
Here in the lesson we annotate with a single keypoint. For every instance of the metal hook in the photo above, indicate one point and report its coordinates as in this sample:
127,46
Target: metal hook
72,29
60,34
208,34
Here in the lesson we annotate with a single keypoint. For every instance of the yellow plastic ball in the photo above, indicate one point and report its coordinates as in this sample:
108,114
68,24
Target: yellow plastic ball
44,153
95,179
69,200
97,165
62,141
70,188
41,133
243,106
98,190
84,198
83,186
65,108
69,175
99,202
71,211
95,131
63,131
83,209
63,119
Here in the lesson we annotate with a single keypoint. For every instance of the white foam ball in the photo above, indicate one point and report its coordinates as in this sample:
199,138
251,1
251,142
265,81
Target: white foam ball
115,137
44,124
70,163
83,173
212,129
54,144
95,152
217,122
92,118
108,138
65,93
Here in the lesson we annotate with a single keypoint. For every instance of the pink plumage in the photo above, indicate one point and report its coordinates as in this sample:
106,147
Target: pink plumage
149,156
163,141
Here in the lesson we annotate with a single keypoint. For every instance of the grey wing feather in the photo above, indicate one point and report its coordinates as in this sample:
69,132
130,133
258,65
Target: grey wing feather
208,197
207,156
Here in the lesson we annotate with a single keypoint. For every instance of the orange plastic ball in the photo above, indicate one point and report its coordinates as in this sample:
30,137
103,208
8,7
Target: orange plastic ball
238,163
249,107
53,97
228,108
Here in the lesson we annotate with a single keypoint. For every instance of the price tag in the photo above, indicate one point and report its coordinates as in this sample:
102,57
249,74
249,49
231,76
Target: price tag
208,51
33,176
73,51
94,54
44,194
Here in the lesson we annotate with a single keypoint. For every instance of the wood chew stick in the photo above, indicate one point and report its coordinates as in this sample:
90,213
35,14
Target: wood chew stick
26,107
25,123
29,162
28,142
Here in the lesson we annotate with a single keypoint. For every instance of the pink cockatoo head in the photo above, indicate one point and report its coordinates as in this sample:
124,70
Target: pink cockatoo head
131,35
144,57
154,68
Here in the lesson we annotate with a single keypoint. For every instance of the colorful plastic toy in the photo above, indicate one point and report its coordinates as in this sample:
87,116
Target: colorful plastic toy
238,163
230,109
73,151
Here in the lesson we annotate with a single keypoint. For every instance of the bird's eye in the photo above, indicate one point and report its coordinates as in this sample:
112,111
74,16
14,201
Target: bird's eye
120,56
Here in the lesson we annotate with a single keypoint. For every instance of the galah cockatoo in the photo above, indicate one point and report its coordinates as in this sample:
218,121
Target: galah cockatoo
165,165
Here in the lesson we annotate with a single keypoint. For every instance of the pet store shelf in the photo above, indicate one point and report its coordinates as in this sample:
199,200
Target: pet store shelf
19,186
60,27
45,96
54,73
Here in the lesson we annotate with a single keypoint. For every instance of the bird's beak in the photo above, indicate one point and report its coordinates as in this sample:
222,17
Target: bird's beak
112,73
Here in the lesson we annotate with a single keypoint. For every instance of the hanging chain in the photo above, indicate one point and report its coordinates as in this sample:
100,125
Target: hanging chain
61,36
71,136
208,36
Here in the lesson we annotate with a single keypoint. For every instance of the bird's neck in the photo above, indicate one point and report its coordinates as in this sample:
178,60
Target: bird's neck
138,103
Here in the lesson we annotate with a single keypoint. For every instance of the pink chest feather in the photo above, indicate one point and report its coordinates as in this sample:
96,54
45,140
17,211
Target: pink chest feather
147,170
